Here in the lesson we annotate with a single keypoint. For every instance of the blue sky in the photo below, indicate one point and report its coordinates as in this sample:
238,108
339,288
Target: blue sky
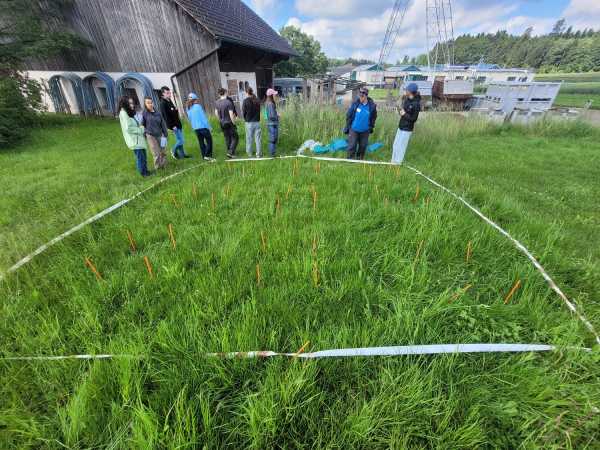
356,27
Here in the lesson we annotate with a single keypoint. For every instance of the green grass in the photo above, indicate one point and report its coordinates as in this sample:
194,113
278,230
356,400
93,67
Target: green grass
569,77
372,289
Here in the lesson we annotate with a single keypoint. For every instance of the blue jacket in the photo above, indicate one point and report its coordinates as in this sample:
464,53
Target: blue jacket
352,112
197,117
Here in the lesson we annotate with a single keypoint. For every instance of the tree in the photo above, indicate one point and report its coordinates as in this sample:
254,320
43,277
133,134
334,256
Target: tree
528,32
29,29
310,60
559,28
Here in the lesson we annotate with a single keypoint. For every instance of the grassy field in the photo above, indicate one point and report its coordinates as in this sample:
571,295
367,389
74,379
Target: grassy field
259,263
569,77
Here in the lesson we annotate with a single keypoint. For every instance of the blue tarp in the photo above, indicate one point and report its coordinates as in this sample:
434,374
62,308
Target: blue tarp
341,144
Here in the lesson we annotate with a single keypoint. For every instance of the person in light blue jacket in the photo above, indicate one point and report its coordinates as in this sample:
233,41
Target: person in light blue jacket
201,126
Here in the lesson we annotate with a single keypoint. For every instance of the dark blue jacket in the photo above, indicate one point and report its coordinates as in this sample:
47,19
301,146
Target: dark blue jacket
352,112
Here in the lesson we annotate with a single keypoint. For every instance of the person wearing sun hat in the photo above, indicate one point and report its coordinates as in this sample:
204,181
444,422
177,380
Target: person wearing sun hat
409,113
360,123
272,120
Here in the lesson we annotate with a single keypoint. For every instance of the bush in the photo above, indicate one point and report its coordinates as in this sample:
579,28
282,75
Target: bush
18,99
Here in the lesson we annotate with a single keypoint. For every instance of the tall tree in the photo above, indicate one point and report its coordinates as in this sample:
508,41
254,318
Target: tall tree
29,29
310,60
559,28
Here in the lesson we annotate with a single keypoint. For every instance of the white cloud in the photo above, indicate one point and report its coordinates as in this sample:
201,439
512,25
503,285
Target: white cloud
583,14
340,8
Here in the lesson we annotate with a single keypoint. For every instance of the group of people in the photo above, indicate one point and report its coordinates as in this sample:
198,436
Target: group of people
150,127
362,115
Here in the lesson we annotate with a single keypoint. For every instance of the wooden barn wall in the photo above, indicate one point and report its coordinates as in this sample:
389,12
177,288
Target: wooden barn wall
132,36
203,79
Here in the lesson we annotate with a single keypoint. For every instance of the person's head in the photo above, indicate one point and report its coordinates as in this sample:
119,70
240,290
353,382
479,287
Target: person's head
148,104
127,104
412,90
222,92
271,95
250,91
165,92
191,100
363,94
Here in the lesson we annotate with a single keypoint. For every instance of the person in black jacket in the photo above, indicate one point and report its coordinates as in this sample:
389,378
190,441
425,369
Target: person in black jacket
409,113
171,115
360,122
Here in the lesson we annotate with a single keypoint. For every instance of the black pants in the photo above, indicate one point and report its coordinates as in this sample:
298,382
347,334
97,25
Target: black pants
205,141
231,137
360,139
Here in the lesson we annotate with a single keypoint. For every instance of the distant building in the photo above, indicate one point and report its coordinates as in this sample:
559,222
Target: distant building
137,46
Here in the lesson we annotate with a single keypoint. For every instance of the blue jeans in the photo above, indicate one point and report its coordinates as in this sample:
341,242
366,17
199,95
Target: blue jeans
273,136
140,161
177,149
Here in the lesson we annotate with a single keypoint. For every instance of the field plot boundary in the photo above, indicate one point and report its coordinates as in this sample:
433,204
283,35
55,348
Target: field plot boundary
549,280
400,350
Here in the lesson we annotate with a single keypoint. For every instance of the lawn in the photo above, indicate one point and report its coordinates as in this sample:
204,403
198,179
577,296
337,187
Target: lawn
272,254
569,77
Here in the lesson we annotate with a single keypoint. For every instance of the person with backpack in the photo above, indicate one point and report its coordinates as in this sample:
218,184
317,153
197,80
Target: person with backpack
133,133
171,115
272,120
251,114
201,126
409,113
360,123
225,111
156,133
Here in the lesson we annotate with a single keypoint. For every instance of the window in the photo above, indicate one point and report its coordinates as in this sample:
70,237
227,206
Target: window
460,77
540,99
299,90
103,97
511,78
523,79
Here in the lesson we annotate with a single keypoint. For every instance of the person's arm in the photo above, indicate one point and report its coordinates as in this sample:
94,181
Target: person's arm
217,112
373,118
232,115
163,124
411,113
164,111
349,118
143,119
244,109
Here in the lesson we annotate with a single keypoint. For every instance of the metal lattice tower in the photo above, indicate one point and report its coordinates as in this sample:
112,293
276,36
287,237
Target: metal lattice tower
440,33
393,29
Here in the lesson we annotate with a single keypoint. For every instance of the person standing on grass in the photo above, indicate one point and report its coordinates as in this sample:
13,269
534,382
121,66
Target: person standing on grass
156,132
201,126
225,111
133,133
272,120
409,113
171,115
360,123
251,114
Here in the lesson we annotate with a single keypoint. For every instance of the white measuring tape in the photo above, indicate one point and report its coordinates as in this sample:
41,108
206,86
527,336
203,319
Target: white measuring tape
403,350
518,244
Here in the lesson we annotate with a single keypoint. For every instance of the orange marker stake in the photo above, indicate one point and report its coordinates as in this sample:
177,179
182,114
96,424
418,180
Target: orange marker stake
419,248
258,276
315,273
301,349
418,191
461,292
131,241
212,201
148,267
512,291
172,236
469,251
90,264
289,191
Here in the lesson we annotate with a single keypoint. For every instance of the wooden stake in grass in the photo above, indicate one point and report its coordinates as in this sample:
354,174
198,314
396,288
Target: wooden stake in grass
301,349
172,236
213,203
469,251
289,191
263,240
277,204
131,241
148,267
314,200
419,248
258,276
417,193
512,291
92,267
194,190
461,292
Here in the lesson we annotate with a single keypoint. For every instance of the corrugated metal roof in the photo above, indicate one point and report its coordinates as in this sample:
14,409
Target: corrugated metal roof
364,68
233,21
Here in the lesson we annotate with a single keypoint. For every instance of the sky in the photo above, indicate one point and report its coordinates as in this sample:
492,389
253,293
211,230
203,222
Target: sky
356,28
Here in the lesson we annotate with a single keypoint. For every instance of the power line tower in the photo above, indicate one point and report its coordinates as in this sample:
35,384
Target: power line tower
393,29
440,33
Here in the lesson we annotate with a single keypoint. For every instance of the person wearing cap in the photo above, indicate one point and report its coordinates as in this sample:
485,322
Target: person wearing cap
225,111
409,113
201,126
272,120
360,122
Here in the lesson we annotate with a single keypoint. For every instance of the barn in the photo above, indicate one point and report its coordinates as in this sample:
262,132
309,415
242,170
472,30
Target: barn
138,46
